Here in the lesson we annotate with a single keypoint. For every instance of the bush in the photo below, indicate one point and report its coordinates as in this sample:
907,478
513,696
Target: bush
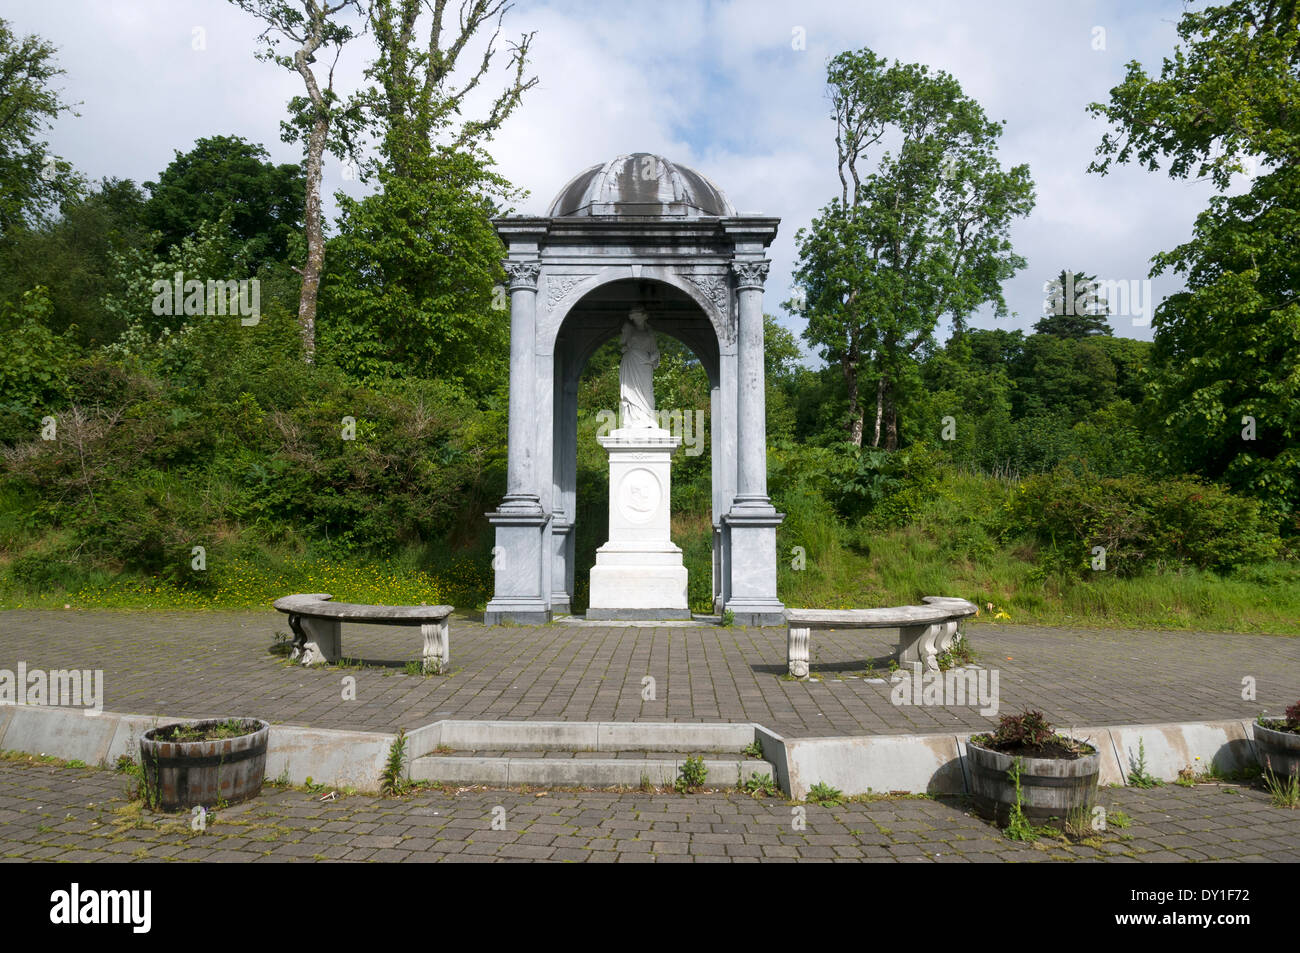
1140,522
888,487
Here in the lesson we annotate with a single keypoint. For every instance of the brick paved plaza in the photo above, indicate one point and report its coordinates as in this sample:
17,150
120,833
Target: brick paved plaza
207,664
81,814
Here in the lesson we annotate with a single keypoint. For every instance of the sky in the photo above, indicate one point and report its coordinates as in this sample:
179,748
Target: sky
733,89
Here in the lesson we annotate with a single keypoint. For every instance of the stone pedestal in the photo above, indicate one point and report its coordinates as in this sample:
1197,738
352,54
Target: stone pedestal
639,572
522,577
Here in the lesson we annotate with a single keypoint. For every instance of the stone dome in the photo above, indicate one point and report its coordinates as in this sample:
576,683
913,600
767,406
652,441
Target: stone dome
641,184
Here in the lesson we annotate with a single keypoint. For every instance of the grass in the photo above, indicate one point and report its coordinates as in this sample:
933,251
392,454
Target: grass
951,548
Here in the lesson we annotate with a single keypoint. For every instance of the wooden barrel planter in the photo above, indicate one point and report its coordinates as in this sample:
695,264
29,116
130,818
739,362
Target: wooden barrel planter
1052,790
180,774
1278,751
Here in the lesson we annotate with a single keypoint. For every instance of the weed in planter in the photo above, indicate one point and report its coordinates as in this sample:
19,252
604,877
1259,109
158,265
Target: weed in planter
691,776
1290,721
1138,776
230,728
393,782
825,795
1030,735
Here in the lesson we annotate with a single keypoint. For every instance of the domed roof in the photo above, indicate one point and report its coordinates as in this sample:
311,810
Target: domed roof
641,184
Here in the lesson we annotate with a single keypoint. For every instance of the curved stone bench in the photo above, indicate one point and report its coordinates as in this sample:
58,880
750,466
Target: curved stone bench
923,631
316,622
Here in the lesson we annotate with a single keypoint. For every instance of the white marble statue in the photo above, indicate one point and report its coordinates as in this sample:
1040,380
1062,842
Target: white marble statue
636,373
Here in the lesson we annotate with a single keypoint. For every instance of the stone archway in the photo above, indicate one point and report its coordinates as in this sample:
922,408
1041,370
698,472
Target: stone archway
637,230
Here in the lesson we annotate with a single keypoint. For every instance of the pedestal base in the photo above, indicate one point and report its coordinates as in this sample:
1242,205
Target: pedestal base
638,583
752,547
639,572
521,562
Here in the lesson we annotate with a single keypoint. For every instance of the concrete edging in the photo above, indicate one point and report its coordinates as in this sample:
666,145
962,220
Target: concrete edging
913,763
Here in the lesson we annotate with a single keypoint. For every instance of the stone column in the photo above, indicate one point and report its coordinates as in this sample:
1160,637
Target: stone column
521,453
749,546
521,559
751,450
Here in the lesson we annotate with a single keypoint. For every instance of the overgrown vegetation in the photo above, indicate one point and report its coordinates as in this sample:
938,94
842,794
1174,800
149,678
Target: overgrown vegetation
166,459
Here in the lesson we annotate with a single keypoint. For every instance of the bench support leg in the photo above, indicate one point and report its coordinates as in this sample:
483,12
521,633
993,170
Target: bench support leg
796,651
919,644
316,640
437,647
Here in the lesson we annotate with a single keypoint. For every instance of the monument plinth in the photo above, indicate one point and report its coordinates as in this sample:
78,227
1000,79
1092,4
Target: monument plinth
639,572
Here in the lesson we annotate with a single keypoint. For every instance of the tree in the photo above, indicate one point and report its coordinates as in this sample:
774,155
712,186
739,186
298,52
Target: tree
32,180
922,236
416,103
1225,388
223,173
321,119
414,288
1075,307
73,257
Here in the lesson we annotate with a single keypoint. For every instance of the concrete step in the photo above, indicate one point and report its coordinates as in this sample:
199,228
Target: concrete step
582,768
590,736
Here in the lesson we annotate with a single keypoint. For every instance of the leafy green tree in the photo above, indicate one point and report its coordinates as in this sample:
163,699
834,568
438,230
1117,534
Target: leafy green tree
1225,390
1075,307
35,365
129,298
32,180
72,256
412,282
922,236
227,173
1062,376
415,284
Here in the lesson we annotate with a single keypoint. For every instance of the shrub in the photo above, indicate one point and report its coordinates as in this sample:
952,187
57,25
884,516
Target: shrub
1141,522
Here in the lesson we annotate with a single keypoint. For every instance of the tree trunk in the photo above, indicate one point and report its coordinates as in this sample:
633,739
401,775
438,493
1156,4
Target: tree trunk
855,404
880,407
891,422
315,264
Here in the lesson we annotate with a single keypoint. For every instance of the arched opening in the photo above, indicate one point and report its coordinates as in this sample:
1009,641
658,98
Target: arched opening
687,388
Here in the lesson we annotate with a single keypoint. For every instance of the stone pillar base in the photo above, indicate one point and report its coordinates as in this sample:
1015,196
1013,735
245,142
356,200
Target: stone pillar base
521,561
752,548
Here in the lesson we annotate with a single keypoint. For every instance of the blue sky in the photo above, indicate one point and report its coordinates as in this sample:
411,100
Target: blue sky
718,86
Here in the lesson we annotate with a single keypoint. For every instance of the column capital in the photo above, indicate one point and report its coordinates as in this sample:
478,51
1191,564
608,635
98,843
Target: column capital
750,274
522,275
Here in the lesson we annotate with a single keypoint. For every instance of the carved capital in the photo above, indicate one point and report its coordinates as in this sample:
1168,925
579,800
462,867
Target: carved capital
522,274
750,274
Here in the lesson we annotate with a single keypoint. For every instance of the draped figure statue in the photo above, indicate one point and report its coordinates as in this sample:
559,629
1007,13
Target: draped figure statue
636,373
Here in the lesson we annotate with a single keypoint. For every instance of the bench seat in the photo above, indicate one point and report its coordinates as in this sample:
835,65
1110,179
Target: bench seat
924,631
316,621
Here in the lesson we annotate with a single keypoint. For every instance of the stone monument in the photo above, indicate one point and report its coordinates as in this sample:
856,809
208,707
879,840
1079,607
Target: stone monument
639,572
638,232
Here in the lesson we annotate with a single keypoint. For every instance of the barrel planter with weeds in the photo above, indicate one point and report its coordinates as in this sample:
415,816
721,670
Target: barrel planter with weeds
1277,746
207,763
1051,789
1053,778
